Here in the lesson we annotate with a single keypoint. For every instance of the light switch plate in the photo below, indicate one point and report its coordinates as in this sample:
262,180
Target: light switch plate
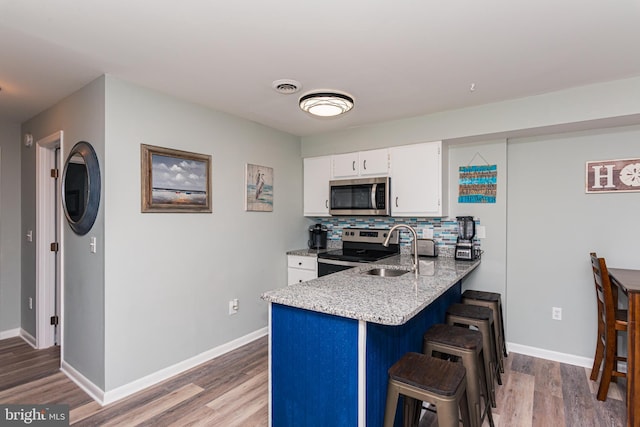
481,232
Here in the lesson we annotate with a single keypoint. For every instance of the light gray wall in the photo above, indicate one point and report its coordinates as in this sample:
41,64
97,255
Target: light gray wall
169,276
510,253
596,106
491,275
81,118
554,225
10,227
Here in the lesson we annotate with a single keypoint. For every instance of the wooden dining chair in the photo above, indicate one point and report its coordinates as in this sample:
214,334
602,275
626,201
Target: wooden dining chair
611,320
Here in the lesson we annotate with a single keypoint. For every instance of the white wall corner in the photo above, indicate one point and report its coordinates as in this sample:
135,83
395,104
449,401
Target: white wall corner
29,339
83,382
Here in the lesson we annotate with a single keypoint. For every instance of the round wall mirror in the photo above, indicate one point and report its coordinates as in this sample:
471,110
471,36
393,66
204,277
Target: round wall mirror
81,187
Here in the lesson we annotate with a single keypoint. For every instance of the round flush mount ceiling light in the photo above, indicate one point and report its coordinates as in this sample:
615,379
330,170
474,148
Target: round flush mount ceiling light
326,103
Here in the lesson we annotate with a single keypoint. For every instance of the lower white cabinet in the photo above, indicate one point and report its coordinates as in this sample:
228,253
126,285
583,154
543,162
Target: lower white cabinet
301,268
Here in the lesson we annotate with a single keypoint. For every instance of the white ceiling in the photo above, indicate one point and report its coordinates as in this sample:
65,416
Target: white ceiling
397,58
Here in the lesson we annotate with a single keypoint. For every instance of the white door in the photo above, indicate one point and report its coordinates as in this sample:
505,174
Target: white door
48,243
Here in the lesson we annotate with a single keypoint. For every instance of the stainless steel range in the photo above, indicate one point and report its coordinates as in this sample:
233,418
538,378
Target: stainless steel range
359,246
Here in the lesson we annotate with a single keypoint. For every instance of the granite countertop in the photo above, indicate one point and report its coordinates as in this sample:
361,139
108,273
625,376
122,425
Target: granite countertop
383,300
306,252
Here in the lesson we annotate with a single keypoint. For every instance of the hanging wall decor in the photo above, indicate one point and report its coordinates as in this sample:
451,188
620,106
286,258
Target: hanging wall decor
258,188
174,180
478,184
608,176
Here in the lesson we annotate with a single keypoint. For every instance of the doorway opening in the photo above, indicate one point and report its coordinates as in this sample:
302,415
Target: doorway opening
49,244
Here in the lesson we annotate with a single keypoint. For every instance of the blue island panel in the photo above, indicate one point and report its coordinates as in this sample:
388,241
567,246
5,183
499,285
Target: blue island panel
387,344
314,368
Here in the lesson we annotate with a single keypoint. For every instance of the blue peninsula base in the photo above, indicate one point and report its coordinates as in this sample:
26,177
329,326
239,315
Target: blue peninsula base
332,371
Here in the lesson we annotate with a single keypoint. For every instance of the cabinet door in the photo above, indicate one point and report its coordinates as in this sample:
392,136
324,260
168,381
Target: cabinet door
317,173
374,162
416,179
297,275
345,165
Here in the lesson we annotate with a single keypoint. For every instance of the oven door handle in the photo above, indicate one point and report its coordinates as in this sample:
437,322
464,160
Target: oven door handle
339,262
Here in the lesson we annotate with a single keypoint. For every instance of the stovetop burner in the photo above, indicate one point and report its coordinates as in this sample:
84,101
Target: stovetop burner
364,245
356,256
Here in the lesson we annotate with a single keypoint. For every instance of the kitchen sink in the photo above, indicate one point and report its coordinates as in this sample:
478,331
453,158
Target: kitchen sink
386,272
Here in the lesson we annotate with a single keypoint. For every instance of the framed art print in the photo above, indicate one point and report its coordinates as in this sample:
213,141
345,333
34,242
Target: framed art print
175,180
258,188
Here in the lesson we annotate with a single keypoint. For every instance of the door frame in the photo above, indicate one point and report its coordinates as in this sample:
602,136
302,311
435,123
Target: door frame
48,265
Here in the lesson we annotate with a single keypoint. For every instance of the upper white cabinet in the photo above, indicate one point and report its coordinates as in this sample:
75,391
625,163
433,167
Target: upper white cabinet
317,173
418,180
363,163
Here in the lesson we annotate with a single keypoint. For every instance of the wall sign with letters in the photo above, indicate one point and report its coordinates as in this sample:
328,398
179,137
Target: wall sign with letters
622,175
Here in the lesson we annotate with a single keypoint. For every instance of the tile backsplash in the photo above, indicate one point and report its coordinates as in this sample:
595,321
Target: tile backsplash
445,232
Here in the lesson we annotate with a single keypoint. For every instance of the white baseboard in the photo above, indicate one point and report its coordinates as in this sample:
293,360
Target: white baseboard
83,382
121,392
29,339
10,333
570,359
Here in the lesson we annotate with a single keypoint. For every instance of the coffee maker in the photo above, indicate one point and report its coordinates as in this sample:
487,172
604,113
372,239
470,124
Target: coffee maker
464,244
317,237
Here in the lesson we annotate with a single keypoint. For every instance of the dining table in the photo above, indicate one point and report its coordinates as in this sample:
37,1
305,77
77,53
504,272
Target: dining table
628,281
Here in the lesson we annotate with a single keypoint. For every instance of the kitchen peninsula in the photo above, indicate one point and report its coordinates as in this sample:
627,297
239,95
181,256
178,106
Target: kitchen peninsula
332,339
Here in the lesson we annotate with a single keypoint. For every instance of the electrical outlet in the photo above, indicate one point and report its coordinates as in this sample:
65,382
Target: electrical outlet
233,306
556,313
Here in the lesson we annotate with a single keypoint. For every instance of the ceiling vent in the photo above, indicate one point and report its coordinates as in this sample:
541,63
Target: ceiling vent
286,86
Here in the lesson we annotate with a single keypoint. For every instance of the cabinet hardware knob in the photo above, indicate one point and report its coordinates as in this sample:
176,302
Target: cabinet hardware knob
299,263
326,204
353,165
364,165
396,202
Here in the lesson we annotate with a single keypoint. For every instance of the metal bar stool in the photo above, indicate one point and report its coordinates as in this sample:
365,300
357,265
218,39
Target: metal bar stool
465,344
436,381
482,319
493,300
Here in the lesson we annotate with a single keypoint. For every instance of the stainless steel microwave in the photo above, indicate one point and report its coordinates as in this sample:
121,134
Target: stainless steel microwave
361,196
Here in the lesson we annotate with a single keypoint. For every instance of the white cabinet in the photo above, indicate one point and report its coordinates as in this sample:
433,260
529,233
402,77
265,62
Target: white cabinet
418,180
317,173
363,163
301,268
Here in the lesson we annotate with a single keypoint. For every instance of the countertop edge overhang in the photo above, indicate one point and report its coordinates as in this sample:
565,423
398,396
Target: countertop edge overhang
383,300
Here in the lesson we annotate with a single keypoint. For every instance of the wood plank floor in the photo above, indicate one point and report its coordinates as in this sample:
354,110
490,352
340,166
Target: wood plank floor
231,390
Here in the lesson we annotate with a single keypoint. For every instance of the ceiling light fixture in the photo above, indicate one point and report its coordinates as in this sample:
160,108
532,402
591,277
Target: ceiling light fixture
326,104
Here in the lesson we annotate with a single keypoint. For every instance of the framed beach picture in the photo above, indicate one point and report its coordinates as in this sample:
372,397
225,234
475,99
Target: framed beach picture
174,180
258,188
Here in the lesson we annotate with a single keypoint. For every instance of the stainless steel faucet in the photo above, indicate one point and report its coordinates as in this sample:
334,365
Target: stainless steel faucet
416,265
